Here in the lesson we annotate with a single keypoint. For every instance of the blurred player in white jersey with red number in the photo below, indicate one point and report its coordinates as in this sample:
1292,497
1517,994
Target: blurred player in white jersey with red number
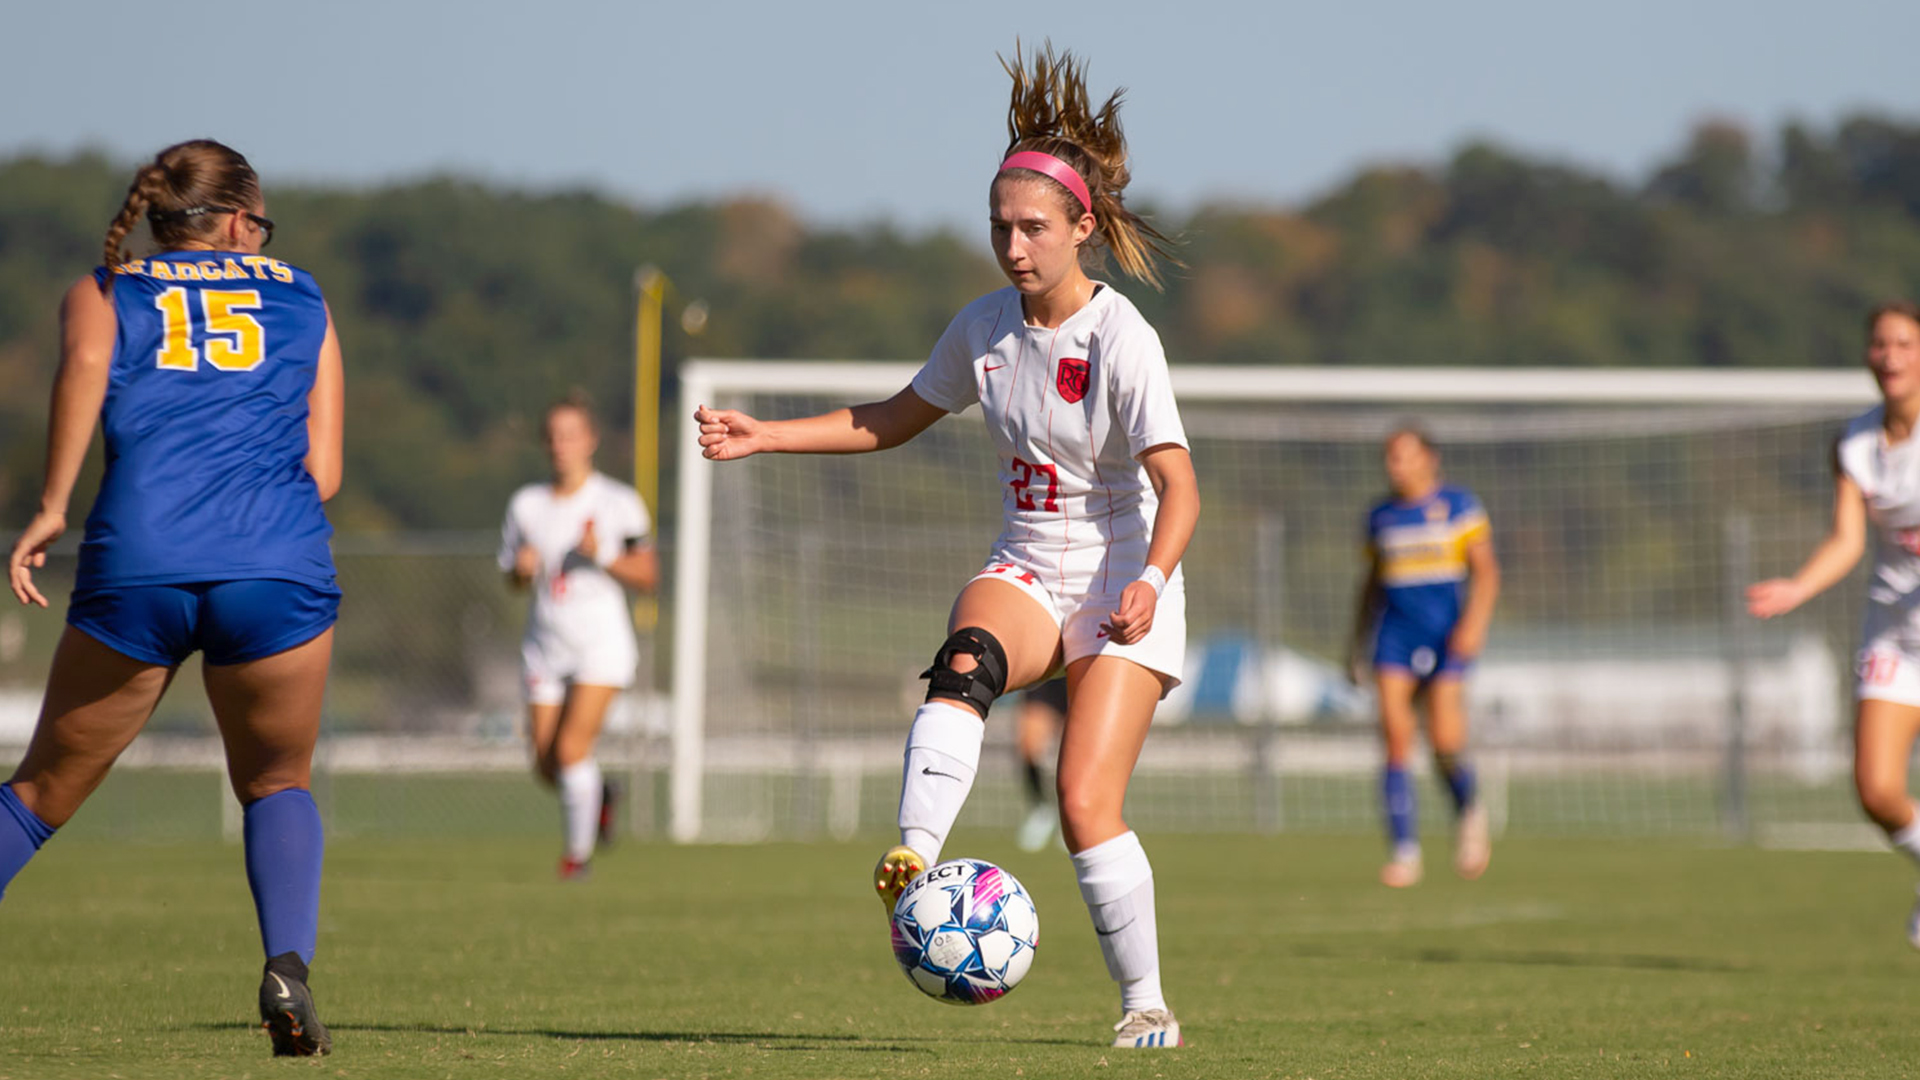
579,542
1877,484
1100,501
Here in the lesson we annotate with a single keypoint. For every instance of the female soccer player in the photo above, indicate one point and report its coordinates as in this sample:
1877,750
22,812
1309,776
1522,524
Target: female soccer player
1100,502
1426,545
1877,481
576,541
216,375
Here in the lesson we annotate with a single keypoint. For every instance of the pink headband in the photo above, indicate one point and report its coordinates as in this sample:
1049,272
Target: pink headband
1050,166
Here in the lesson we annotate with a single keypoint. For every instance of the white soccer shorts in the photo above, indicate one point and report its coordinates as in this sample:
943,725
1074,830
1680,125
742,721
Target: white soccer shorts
1888,665
1163,650
550,666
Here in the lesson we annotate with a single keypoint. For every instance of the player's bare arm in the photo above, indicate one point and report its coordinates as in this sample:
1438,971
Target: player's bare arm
1483,590
729,434
637,568
326,417
87,327
1365,610
1170,468
1831,560
526,564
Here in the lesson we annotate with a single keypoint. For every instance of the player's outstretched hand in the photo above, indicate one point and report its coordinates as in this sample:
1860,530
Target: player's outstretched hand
1130,624
30,554
1775,596
727,434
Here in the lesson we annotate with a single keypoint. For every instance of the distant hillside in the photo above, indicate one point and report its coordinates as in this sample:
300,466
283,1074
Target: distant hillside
465,308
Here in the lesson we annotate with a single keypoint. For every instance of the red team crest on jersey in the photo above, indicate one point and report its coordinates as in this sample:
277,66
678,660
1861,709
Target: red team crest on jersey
1072,379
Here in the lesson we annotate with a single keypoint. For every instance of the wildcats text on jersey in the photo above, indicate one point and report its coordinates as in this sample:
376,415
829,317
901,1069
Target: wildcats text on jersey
226,268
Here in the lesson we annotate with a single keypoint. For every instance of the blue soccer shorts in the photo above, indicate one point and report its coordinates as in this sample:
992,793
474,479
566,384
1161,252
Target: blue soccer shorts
1421,651
231,622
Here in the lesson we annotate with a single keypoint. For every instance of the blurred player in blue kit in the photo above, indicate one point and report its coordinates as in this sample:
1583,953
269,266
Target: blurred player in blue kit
1432,580
216,376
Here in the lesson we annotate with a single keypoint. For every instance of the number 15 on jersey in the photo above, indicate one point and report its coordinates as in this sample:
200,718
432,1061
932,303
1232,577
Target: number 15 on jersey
231,338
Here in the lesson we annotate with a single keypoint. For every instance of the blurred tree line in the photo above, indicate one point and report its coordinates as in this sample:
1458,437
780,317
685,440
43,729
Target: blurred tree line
464,309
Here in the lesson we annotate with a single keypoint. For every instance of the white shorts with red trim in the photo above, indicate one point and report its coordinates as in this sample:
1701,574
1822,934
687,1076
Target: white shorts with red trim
1079,618
550,666
1888,665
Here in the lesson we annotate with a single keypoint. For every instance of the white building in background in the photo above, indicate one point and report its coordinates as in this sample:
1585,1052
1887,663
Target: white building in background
1563,690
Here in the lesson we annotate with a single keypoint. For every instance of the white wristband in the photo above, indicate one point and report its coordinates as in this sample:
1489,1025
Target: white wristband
1152,576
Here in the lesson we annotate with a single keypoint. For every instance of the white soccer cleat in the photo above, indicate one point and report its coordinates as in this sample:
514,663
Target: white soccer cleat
1037,829
1913,925
1403,870
1143,1028
1472,849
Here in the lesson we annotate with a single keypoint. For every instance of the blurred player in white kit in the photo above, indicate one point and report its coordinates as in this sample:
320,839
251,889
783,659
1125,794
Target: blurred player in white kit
578,541
1877,490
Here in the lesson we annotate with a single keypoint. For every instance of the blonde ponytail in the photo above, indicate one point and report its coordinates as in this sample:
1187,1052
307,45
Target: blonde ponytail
1050,113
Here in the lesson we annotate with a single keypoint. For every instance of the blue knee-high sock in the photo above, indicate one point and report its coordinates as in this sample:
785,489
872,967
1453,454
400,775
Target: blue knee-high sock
21,834
1458,776
284,845
1396,790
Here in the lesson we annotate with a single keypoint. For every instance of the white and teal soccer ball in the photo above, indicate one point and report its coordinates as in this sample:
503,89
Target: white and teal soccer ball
965,932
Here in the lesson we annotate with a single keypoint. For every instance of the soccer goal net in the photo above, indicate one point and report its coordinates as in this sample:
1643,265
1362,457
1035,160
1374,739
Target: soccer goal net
1622,691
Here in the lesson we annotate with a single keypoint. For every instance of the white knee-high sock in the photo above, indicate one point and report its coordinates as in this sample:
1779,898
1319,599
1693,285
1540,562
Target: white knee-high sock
943,753
1908,839
580,807
1116,881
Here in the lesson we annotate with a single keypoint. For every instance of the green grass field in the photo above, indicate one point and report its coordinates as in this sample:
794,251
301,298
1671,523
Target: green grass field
465,958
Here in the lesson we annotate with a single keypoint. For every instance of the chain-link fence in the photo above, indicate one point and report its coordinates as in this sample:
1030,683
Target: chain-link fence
422,731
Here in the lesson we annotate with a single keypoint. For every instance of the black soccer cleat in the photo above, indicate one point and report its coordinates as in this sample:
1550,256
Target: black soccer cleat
287,1011
609,795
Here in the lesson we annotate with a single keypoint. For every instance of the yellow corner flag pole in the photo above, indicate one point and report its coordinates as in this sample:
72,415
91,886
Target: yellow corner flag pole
651,286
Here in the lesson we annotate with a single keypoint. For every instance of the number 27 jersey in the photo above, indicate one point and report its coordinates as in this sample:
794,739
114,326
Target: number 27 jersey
1068,409
206,426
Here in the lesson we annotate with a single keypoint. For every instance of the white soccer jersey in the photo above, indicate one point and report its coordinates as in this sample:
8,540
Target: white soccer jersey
1889,478
1068,409
578,609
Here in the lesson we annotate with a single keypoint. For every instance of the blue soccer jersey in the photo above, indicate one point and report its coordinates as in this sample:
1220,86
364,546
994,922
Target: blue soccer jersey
1420,548
206,426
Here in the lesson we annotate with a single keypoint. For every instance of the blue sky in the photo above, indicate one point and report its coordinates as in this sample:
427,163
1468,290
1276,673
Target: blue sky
856,112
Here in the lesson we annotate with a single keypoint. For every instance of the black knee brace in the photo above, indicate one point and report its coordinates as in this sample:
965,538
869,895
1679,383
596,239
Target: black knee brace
978,687
1446,762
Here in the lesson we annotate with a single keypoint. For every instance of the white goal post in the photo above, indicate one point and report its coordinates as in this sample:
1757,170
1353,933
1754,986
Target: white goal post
1627,505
